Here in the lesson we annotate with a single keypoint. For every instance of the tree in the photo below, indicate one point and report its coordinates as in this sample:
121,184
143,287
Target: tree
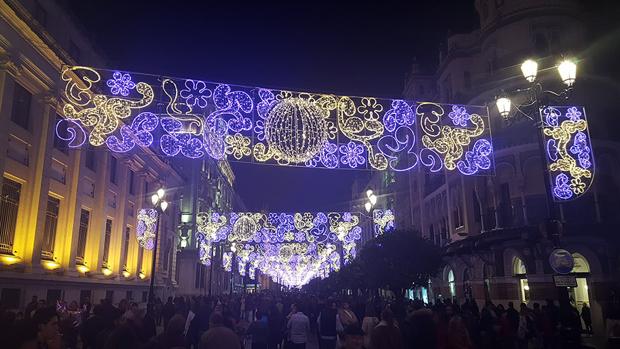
393,261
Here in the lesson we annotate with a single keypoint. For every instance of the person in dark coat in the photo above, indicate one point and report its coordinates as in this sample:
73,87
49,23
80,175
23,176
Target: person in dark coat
387,334
587,317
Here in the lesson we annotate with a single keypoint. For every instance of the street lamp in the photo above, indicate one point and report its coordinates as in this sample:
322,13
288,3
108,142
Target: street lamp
160,205
529,68
568,72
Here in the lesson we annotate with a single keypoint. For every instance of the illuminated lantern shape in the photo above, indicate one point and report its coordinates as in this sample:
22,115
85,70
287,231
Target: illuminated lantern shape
296,130
243,229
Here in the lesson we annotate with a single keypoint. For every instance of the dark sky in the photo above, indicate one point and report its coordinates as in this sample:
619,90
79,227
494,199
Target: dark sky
360,49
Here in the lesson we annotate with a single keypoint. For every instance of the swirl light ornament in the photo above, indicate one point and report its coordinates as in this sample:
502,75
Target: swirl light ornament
197,119
146,227
570,158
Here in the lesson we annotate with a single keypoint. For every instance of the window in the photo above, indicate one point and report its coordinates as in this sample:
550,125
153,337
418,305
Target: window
51,224
113,169
10,298
90,158
487,274
61,128
451,283
520,272
131,182
140,254
21,107
39,14
126,246
505,206
53,295
106,241
467,79
85,296
82,236
9,205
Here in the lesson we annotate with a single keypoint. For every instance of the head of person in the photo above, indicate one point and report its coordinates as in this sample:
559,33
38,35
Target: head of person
46,322
294,308
536,306
353,337
388,316
523,307
216,320
345,305
511,305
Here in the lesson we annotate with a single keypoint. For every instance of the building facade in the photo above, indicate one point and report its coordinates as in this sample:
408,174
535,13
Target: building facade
68,217
492,228
208,189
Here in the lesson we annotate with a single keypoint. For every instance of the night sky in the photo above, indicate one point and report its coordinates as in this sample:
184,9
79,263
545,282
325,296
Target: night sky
308,46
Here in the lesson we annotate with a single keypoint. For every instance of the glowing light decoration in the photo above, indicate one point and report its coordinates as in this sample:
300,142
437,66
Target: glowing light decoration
291,247
570,159
146,227
383,221
197,119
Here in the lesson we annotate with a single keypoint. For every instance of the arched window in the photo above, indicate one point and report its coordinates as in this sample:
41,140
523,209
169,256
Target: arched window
467,289
580,295
451,283
519,271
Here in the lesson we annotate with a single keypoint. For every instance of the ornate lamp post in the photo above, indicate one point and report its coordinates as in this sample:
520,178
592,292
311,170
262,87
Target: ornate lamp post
537,97
160,205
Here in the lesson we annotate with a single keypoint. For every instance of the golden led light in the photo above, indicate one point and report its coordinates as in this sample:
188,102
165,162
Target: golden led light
568,72
8,259
141,275
529,68
126,274
106,271
82,268
50,265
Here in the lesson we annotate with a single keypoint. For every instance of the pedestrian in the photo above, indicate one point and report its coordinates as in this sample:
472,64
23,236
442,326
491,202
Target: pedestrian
387,334
353,338
219,336
347,316
369,322
298,327
46,322
587,317
329,326
259,330
167,311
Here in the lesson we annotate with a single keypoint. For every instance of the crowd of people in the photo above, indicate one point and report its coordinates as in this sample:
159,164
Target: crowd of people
291,321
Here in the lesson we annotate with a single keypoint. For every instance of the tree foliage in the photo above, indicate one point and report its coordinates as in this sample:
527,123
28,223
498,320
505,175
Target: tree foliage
395,261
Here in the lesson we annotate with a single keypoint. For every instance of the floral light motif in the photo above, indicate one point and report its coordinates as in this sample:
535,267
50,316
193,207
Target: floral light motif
120,84
459,116
238,146
353,154
569,152
370,108
196,93
383,221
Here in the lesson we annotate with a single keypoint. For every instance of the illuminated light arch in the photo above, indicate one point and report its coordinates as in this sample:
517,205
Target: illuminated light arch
196,119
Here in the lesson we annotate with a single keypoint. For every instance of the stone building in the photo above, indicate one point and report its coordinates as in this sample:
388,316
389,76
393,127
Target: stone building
492,227
68,216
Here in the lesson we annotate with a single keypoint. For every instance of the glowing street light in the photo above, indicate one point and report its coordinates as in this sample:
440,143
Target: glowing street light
568,72
503,106
529,68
